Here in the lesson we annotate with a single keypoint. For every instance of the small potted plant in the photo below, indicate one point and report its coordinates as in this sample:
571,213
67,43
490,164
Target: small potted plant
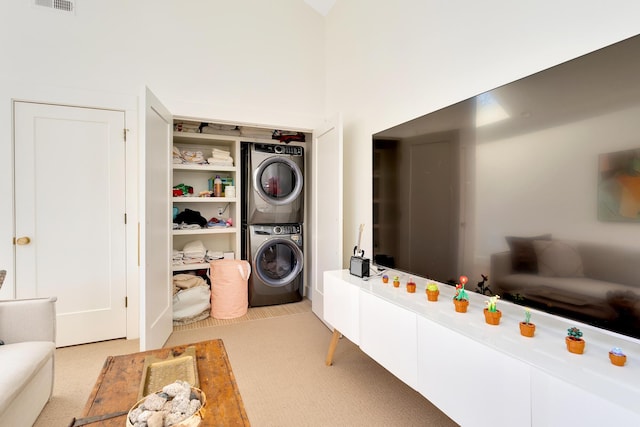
461,298
527,329
396,282
617,357
432,291
491,313
385,279
411,286
574,340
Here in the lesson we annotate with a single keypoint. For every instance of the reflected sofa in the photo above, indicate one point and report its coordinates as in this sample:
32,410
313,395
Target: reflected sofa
590,280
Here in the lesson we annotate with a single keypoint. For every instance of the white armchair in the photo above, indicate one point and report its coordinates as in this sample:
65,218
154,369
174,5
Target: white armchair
28,329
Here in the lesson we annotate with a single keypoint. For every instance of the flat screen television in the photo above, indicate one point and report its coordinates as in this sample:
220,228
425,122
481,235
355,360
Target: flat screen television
531,189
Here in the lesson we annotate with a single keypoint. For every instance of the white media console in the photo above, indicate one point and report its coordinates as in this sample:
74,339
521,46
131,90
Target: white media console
484,375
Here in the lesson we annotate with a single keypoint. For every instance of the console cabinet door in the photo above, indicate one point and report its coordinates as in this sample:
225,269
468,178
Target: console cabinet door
469,381
388,335
558,403
342,305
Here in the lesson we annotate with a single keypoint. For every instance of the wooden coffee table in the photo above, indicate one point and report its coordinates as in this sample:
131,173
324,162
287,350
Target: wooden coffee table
118,384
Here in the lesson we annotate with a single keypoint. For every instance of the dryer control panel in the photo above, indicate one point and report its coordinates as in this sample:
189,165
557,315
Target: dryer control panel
291,150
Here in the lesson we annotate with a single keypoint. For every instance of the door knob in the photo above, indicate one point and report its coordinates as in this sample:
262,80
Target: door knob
23,240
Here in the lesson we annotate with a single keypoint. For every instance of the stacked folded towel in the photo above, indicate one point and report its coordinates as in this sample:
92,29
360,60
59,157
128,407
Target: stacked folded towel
193,157
186,127
178,257
187,156
194,252
219,129
220,158
177,155
256,132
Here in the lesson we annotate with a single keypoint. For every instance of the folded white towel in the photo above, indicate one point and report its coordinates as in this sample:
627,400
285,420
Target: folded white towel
221,157
220,162
184,226
219,151
194,249
256,133
209,130
221,126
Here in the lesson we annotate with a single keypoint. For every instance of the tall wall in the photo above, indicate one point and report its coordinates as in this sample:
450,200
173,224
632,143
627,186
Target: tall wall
389,62
246,61
253,61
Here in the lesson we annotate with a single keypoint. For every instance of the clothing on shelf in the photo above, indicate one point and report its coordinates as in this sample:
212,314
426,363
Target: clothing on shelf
190,217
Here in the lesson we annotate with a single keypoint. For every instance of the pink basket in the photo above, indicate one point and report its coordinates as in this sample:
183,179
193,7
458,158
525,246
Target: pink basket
229,288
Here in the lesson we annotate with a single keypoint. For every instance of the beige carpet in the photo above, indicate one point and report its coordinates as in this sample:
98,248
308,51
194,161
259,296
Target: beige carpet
278,362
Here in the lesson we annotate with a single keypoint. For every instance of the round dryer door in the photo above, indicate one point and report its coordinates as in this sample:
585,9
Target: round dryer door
278,262
278,180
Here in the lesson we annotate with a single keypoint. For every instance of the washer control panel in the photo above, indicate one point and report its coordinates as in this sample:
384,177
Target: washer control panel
287,229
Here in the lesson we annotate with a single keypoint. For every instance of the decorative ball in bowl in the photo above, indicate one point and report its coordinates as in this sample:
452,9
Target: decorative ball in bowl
178,404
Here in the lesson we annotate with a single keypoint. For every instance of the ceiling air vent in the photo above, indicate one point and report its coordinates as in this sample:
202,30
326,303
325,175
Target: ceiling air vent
61,5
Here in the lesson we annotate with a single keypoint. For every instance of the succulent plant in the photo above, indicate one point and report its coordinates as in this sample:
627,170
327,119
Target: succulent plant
432,286
527,316
574,333
617,351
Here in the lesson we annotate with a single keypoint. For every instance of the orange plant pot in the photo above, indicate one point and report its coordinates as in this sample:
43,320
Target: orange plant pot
396,283
411,288
575,345
461,305
492,317
527,329
617,359
432,295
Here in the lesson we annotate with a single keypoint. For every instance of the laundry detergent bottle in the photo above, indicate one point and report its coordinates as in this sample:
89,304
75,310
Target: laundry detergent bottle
217,187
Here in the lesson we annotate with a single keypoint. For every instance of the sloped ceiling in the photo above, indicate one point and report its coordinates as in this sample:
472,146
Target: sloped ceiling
321,6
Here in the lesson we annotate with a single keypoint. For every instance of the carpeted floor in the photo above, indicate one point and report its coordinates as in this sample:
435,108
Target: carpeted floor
278,362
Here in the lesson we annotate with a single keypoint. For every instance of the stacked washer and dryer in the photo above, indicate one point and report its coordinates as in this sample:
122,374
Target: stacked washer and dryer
272,221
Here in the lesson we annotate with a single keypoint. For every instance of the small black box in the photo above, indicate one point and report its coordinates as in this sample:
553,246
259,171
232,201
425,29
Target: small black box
359,266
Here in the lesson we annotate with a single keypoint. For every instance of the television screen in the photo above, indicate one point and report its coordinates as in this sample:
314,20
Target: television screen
532,190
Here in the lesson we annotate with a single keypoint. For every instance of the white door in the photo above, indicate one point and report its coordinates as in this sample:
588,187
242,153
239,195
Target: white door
70,216
156,296
326,210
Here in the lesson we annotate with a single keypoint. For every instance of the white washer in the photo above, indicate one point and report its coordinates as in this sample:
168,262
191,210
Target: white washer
275,254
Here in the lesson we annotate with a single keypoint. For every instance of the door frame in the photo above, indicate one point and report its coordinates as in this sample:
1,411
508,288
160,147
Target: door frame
12,91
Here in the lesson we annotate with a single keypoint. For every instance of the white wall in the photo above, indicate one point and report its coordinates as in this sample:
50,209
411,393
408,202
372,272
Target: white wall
246,61
389,62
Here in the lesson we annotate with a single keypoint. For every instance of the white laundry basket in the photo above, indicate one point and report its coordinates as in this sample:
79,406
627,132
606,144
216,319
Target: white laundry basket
229,288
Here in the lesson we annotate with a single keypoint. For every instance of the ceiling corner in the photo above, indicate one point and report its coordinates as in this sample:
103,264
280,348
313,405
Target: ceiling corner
323,7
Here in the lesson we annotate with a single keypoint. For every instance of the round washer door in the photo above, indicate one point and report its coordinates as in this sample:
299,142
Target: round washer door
278,262
278,180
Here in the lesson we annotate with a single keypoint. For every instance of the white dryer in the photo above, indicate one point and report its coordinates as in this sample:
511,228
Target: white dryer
275,187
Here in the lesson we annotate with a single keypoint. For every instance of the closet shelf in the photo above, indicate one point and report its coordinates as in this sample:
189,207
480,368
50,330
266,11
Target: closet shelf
219,230
203,168
204,199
